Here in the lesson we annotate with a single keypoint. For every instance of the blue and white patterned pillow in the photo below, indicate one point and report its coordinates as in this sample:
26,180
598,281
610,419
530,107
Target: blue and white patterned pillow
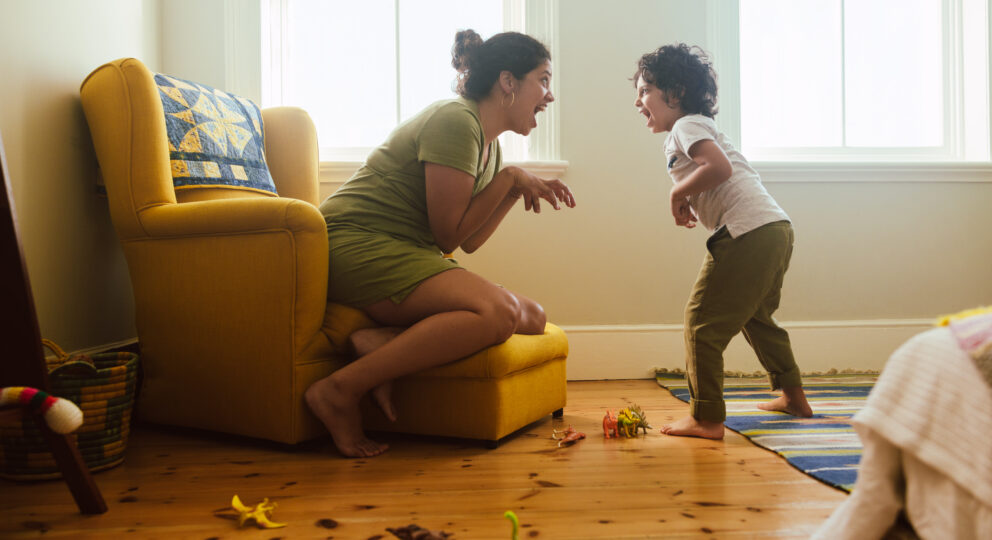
215,138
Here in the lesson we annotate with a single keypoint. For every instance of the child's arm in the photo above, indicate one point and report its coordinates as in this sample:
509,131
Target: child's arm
714,169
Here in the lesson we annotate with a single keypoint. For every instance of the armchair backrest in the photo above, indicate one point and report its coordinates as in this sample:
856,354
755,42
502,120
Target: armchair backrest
291,151
125,114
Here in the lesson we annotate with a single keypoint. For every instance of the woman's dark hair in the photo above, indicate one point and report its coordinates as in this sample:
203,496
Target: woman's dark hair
479,63
683,72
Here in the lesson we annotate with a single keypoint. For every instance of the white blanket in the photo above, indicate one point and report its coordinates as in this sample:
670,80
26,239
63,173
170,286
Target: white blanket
927,434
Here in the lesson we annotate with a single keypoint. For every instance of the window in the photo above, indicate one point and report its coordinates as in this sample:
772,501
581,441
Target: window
361,68
863,80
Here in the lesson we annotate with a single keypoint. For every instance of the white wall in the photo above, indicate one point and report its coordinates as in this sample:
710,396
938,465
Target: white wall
879,253
224,35
874,262
47,47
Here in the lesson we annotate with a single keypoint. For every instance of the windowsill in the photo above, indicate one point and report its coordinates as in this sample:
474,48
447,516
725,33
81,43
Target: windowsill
888,171
338,172
544,169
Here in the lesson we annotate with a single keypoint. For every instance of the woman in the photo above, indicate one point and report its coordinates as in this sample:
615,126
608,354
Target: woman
436,184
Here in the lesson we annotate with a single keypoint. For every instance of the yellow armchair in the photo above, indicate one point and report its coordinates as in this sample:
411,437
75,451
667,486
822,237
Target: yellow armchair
230,291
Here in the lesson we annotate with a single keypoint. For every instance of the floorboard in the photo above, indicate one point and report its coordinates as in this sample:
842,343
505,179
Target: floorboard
178,484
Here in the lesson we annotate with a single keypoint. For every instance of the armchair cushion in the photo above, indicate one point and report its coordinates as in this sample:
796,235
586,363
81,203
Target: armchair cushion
216,139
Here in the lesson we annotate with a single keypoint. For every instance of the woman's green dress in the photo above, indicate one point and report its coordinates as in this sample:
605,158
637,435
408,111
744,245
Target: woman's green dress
381,244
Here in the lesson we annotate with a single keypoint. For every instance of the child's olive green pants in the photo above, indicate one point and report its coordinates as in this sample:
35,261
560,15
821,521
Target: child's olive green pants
737,290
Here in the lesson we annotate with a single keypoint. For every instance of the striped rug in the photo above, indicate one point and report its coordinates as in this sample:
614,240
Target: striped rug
824,446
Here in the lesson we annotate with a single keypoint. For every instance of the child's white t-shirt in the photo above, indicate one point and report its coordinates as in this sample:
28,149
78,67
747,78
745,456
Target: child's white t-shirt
740,203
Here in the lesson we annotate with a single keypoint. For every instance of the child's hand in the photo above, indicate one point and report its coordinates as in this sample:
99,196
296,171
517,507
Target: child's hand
682,212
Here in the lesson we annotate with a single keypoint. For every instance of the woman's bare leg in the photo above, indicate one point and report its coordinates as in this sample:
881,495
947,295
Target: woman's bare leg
448,316
367,340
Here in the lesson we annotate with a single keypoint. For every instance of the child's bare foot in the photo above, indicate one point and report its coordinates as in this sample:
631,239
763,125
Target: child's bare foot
341,417
367,340
692,427
792,401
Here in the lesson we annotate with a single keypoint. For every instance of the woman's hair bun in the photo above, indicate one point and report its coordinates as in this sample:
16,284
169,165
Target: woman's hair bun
466,43
480,63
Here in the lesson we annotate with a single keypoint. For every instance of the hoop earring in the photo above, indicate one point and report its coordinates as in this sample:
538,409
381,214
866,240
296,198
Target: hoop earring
502,102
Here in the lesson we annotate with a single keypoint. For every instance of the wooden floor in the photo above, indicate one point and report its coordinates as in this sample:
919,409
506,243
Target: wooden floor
177,484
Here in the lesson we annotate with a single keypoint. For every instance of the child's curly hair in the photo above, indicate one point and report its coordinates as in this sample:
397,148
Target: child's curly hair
684,72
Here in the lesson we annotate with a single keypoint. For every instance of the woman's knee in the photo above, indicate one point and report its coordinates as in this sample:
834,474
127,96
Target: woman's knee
533,319
502,314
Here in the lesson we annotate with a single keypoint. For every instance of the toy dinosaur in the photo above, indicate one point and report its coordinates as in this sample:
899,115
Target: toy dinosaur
416,532
567,436
627,421
610,425
516,524
630,419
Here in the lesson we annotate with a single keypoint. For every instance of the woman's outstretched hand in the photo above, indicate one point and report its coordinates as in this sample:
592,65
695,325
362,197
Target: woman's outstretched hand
532,189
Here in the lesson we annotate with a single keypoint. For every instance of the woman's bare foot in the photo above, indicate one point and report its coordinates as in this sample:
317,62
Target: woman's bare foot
367,340
341,417
792,401
692,427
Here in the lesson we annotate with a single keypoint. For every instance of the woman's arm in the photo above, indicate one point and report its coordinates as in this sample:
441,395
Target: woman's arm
454,214
487,229
529,187
458,219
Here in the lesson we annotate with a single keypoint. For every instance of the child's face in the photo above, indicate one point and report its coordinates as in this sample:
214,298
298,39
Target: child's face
652,103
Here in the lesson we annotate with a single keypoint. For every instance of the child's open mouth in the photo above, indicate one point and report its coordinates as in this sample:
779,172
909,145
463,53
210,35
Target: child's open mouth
646,115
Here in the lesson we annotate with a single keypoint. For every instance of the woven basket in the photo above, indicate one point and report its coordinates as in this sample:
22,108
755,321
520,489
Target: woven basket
103,385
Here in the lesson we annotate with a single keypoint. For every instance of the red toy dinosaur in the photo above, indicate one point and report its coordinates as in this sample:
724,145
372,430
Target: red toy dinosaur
610,425
567,436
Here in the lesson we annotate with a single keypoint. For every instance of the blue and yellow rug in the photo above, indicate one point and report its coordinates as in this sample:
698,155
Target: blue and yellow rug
824,446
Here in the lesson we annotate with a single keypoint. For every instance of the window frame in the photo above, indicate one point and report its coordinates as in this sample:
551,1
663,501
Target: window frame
723,40
538,18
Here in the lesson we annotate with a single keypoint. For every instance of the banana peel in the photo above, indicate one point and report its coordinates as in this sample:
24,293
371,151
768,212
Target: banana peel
261,513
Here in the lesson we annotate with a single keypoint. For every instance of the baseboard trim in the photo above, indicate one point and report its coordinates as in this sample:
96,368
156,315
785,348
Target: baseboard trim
635,351
598,352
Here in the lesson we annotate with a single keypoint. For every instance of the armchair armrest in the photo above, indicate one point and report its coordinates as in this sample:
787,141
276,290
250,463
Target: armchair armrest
231,216
264,258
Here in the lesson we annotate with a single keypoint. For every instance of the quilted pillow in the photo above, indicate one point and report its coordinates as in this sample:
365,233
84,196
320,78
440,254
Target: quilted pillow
215,138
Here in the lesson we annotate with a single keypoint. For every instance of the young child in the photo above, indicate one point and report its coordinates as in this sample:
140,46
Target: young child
740,283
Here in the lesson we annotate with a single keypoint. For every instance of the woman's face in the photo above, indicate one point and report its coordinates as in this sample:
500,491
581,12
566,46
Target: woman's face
531,97
650,101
